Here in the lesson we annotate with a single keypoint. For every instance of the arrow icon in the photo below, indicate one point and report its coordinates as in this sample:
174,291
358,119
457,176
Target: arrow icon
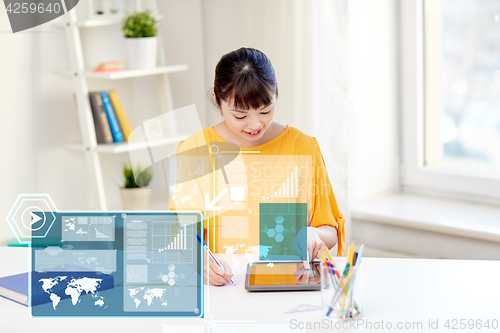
210,205
34,218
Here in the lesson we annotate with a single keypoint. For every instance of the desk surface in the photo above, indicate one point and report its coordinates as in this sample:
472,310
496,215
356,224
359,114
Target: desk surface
394,291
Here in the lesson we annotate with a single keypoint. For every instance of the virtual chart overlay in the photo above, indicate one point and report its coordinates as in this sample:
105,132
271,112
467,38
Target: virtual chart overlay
111,264
150,263
256,205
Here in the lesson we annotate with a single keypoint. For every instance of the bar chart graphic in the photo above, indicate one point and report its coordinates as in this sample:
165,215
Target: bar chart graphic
280,179
200,170
289,187
172,242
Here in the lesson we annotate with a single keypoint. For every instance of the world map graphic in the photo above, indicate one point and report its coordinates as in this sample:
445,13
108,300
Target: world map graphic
75,287
147,295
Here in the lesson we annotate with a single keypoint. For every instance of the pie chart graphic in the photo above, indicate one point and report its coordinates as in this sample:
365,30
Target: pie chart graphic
33,218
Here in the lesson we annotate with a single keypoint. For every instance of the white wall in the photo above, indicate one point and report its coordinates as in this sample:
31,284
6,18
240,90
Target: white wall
35,116
183,35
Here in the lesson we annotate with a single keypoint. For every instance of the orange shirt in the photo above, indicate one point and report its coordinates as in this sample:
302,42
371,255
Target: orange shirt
287,169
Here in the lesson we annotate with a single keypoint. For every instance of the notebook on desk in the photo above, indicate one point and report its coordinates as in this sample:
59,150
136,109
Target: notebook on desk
15,287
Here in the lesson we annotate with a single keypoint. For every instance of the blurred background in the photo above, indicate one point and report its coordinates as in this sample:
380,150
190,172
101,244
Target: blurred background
402,95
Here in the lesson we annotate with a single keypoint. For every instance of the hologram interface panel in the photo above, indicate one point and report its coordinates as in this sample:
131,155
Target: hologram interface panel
119,264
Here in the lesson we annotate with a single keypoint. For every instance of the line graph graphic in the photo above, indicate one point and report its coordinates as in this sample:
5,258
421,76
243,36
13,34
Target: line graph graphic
234,227
88,228
137,273
100,234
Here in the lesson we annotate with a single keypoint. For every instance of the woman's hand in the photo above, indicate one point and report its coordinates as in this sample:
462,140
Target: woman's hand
314,245
308,276
217,275
308,245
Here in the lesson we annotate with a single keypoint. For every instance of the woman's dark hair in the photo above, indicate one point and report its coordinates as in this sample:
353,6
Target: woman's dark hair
245,76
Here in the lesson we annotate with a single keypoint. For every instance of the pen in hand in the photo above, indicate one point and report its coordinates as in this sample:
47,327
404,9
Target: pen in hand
205,246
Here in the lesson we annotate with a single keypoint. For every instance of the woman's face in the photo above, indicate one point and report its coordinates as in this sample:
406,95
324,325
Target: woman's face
249,126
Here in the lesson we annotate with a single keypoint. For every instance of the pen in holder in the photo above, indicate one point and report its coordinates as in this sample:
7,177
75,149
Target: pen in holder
341,291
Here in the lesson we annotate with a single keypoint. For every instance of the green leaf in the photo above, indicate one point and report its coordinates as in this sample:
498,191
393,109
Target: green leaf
136,177
139,25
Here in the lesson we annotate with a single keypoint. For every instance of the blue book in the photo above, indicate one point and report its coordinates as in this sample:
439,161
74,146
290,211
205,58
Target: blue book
47,284
114,125
15,288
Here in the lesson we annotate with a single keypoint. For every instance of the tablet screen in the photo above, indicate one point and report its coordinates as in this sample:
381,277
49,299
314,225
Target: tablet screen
283,274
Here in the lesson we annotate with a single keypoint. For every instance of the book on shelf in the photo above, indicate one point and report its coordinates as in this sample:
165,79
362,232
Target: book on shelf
109,66
110,119
106,70
101,124
120,114
114,125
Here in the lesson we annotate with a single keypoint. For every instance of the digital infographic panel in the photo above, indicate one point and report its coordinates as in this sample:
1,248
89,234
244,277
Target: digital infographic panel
267,206
170,267
119,264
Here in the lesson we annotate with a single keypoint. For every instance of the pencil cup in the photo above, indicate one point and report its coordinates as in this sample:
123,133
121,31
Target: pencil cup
341,294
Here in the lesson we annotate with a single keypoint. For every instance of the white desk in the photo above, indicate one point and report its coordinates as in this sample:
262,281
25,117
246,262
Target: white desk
395,290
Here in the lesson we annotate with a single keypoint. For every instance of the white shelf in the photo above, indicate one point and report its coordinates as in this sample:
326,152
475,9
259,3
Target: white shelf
130,73
117,148
102,22
81,74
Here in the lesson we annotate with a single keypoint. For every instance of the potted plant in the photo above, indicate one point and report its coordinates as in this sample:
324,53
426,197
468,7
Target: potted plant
141,41
134,194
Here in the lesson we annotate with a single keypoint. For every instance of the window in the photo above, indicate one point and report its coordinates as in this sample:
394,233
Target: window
450,74
462,85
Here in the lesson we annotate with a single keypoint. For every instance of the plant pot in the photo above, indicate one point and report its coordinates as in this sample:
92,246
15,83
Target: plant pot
141,52
135,198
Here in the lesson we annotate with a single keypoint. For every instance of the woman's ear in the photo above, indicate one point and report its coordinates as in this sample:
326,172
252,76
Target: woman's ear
214,98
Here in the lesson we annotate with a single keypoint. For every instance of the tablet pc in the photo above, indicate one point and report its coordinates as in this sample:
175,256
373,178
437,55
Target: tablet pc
282,276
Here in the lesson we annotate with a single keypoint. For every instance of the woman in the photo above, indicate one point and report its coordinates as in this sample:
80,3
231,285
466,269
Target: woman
245,91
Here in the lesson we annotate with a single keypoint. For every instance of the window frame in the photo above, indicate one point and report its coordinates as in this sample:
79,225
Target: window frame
416,177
